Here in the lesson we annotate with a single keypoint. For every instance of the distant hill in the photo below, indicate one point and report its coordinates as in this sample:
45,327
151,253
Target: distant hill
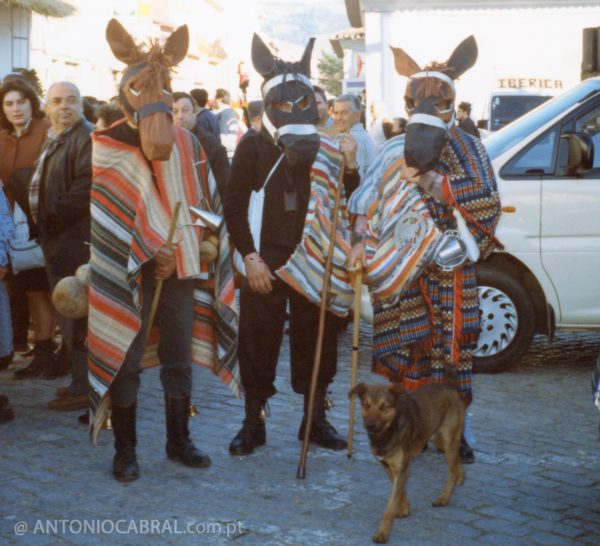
296,21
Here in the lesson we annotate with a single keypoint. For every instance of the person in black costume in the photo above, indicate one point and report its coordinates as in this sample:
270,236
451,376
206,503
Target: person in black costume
282,152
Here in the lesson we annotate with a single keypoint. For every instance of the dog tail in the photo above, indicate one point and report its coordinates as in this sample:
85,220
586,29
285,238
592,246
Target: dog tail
451,376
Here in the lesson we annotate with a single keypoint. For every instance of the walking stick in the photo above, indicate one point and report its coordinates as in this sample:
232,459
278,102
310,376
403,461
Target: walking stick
301,473
159,283
358,272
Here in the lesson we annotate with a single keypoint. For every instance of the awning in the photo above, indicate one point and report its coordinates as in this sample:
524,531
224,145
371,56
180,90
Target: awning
349,34
51,8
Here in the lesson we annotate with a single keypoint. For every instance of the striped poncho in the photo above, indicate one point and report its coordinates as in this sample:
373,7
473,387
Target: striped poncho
131,214
305,269
435,320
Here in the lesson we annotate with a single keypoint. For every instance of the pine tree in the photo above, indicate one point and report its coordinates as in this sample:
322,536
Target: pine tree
331,73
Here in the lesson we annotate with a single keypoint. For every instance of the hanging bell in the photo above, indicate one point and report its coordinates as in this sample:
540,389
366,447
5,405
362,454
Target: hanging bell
206,218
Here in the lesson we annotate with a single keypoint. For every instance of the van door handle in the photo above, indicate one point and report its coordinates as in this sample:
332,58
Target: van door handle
509,209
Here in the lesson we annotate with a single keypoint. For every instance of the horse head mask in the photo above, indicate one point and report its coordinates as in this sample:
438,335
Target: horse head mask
144,90
429,100
290,111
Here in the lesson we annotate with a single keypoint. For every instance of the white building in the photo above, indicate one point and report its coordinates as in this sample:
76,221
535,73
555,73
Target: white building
518,40
15,29
349,45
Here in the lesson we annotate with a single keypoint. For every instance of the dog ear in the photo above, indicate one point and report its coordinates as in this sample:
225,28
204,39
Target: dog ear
359,390
396,389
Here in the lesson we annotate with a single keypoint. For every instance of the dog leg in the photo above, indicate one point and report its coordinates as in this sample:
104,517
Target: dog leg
455,470
397,502
403,504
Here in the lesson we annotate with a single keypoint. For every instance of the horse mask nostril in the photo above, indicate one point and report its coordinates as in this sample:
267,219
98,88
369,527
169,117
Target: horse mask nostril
300,150
423,146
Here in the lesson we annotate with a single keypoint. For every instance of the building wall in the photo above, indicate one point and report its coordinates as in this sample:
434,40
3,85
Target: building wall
15,26
5,41
542,43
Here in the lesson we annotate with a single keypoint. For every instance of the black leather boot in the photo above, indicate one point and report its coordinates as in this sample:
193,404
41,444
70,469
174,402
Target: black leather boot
43,362
322,432
179,445
253,433
125,465
466,452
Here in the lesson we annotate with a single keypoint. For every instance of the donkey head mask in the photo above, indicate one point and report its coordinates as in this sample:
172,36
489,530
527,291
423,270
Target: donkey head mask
290,110
144,90
429,102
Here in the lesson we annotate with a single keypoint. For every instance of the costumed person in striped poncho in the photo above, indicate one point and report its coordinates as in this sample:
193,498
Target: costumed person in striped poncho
283,158
142,167
409,209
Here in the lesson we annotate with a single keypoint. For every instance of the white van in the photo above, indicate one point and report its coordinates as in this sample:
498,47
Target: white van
506,105
547,165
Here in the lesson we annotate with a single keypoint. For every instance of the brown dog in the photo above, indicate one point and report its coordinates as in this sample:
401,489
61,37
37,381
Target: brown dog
399,425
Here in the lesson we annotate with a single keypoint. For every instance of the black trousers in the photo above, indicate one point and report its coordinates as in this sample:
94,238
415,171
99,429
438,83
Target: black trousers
19,311
262,319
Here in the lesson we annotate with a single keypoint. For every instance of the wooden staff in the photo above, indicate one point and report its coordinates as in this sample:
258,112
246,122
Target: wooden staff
358,272
159,283
301,473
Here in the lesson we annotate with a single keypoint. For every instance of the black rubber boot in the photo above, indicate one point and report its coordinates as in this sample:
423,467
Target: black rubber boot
253,433
125,465
466,452
43,363
179,445
322,432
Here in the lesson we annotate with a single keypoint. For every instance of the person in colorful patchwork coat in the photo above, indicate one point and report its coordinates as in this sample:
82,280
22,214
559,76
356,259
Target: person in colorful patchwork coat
432,322
147,173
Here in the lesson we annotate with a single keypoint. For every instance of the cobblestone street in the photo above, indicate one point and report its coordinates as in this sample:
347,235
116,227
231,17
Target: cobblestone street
536,479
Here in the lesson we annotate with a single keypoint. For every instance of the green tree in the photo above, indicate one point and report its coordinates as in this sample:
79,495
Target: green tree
331,73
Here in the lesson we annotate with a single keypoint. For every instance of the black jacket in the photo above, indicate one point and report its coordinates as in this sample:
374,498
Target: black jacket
468,126
216,154
252,162
64,201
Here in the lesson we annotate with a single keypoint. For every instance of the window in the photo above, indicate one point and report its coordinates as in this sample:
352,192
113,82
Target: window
589,123
537,159
20,19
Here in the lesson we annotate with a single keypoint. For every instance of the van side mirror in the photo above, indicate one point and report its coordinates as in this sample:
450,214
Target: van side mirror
580,153
482,124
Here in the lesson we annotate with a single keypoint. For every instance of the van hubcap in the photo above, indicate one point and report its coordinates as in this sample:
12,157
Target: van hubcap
499,321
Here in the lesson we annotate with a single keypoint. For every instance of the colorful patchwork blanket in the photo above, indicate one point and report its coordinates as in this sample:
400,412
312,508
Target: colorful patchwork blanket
131,212
305,269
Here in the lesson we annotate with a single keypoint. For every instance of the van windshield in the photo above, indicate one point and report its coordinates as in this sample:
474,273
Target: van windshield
507,108
497,143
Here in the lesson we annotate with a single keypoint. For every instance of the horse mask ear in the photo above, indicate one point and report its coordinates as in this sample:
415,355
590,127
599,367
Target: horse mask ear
121,43
403,63
305,61
176,46
262,58
462,58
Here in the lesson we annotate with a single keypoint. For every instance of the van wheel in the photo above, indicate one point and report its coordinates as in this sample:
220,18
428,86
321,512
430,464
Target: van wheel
507,321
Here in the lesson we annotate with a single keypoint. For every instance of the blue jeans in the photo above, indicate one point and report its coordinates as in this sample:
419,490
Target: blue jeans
175,320
6,345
